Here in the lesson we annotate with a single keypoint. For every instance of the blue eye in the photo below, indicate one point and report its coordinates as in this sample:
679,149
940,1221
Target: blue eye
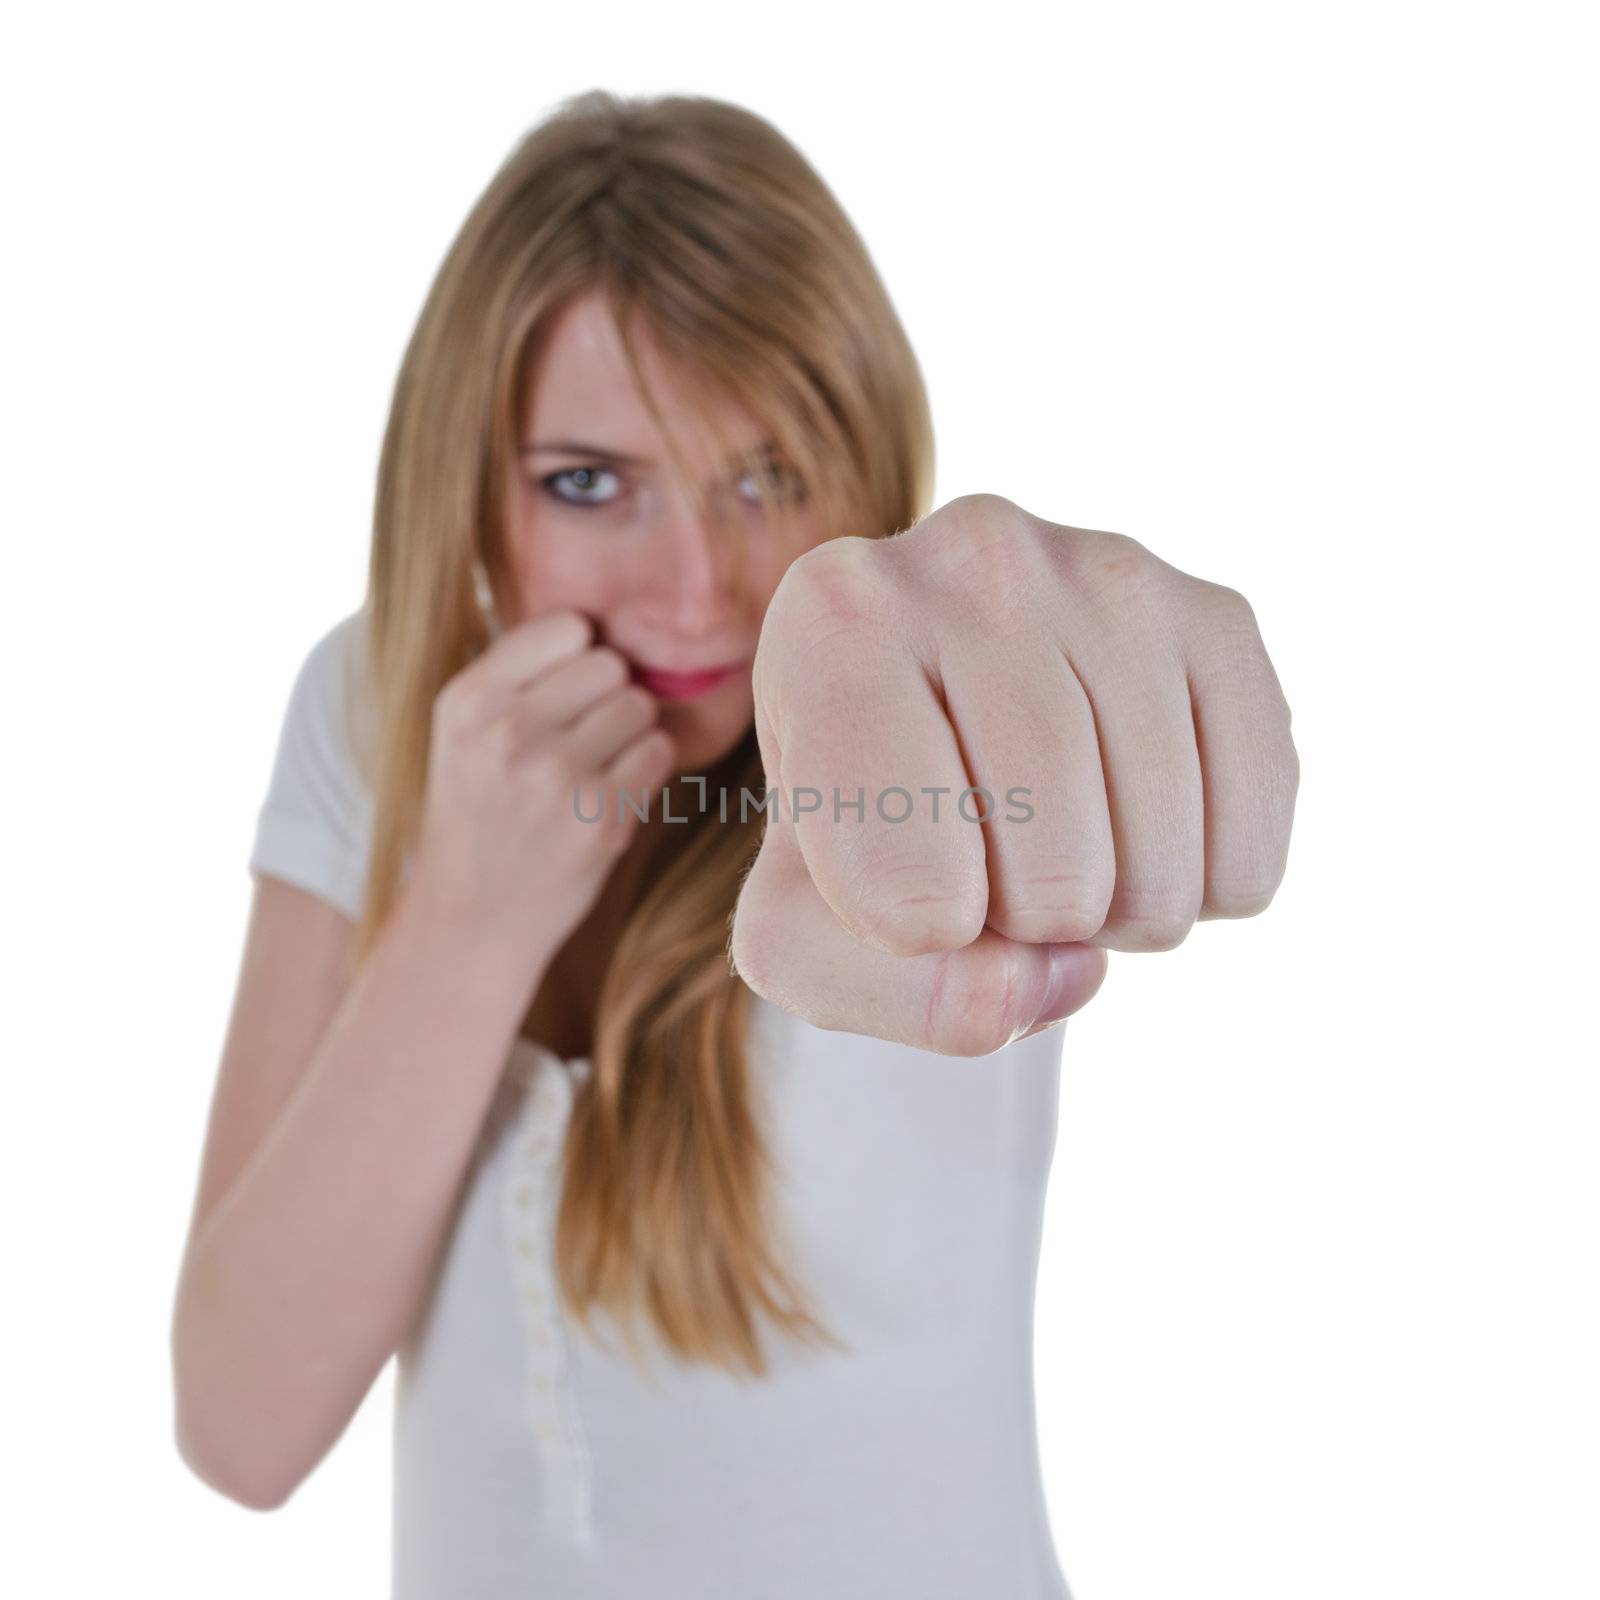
581,479
785,484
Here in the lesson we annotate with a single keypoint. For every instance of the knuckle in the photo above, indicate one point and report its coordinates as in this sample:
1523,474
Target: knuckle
1108,567
1241,882
1145,935
500,741
1240,898
1226,617
997,563
917,926
913,909
1289,761
1057,908
919,923
638,700
1230,605
1150,919
453,703
837,581
613,662
561,622
984,508
1274,779
548,767
979,548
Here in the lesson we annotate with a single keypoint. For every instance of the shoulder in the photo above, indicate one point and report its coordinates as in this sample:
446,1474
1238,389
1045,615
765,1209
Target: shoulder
331,705
314,827
336,659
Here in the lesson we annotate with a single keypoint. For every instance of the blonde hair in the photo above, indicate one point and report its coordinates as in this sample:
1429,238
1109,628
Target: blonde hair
701,219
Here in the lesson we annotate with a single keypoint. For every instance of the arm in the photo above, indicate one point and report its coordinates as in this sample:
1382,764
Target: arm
349,1104
340,1133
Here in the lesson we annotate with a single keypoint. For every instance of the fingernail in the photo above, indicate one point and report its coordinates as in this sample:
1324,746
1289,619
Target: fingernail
1076,973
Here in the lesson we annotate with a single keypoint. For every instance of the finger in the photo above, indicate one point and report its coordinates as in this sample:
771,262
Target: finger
1028,735
522,655
564,692
859,731
596,737
788,946
641,767
1154,793
1248,763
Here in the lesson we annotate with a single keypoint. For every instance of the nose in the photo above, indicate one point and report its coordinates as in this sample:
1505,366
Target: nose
692,568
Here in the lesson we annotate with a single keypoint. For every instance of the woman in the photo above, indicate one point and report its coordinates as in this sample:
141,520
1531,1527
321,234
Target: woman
689,1296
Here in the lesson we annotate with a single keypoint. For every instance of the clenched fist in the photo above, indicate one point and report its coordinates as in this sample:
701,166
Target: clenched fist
1116,722
540,714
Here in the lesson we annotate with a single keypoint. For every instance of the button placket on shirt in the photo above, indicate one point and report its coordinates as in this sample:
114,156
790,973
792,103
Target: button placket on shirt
531,1196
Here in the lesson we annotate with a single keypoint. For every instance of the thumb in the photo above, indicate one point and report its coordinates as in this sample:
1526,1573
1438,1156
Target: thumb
790,948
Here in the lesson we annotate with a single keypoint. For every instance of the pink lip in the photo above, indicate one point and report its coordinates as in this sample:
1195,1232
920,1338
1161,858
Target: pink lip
683,685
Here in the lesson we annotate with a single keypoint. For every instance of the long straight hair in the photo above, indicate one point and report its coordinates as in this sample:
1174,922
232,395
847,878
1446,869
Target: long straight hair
702,220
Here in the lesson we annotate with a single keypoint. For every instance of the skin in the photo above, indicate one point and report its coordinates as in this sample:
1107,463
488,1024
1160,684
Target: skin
667,560
340,1082
1133,705
650,560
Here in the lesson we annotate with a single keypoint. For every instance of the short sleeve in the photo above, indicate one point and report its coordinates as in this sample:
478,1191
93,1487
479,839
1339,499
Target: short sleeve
314,828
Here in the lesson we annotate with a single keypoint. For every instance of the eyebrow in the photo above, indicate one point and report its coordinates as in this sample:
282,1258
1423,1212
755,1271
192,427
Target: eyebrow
598,452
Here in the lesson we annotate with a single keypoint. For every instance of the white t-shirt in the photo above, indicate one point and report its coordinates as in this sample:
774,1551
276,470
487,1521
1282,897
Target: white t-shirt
532,1461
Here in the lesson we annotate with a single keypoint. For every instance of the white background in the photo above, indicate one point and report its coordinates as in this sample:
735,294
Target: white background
1300,297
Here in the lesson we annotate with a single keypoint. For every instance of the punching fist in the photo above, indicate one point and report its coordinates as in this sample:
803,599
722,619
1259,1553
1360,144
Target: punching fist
998,748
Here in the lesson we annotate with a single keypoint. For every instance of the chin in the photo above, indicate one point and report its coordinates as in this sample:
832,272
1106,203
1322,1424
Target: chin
701,745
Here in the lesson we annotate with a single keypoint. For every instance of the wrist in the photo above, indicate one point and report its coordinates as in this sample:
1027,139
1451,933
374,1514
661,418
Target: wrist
490,957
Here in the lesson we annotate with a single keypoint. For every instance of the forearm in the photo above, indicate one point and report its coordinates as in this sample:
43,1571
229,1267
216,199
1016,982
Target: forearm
309,1271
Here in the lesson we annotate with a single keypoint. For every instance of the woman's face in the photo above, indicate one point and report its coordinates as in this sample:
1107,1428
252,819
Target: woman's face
675,570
